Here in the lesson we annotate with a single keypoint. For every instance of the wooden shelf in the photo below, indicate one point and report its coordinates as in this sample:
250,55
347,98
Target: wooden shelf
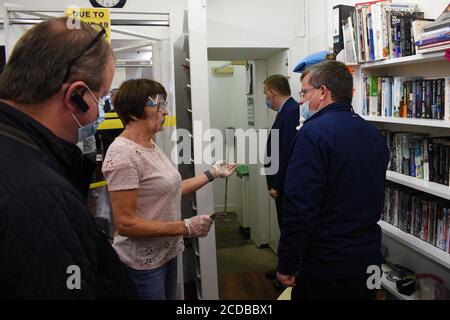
409,121
418,58
436,189
437,255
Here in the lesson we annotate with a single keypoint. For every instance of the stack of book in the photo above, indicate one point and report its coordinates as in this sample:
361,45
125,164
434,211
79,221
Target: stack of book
435,35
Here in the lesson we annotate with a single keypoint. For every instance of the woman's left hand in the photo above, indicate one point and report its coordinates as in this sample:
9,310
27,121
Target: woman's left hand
223,170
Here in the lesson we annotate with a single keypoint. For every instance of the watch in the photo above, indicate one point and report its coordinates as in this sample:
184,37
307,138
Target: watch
209,175
107,3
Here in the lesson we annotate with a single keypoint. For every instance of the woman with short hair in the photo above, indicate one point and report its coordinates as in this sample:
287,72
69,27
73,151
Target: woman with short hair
146,189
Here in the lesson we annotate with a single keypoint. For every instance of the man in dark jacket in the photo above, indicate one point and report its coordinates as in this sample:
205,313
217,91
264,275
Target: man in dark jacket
50,92
278,99
333,193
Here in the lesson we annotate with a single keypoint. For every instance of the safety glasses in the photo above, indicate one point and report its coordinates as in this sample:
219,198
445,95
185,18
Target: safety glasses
159,103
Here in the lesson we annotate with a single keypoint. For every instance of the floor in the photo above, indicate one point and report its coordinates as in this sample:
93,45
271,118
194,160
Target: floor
242,265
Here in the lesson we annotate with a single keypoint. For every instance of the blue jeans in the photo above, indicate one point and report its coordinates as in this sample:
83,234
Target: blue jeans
156,284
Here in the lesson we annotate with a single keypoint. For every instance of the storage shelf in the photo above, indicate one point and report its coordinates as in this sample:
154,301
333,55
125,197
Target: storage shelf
425,186
409,121
418,58
420,246
391,286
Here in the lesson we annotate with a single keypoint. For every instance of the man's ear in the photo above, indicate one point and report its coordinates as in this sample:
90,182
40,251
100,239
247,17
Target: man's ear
324,92
73,97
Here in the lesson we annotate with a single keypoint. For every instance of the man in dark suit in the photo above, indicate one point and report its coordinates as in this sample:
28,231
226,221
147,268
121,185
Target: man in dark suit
278,98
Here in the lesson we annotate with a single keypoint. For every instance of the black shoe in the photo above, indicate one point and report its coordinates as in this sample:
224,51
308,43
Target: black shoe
272,274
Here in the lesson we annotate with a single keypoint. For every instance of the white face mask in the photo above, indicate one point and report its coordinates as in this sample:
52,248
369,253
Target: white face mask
306,113
89,130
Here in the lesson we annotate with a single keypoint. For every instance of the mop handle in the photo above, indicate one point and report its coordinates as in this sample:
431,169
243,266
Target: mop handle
226,194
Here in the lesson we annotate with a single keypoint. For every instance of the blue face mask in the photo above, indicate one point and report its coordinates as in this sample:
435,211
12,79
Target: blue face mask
89,130
306,113
268,105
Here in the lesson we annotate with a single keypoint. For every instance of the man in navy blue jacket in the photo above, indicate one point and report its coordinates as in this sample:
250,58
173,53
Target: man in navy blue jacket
278,98
333,193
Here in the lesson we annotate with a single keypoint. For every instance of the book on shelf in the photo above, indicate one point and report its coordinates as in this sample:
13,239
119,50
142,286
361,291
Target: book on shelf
386,30
438,45
435,40
415,98
419,156
421,215
438,48
340,13
349,42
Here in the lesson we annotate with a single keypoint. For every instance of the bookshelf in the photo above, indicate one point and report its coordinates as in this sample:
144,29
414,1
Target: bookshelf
436,189
431,65
437,255
422,255
409,60
404,84
409,121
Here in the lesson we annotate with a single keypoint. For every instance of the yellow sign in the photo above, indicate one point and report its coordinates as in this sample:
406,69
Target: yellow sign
170,121
92,16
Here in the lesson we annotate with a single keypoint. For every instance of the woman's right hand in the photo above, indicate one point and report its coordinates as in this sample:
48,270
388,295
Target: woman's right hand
198,226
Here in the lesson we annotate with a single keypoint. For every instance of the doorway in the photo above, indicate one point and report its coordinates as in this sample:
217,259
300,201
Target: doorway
247,237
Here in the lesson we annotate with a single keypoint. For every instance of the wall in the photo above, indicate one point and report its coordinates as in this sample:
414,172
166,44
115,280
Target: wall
227,99
268,24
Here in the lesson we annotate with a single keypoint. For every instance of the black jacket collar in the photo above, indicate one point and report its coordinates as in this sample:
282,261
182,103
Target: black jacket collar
62,156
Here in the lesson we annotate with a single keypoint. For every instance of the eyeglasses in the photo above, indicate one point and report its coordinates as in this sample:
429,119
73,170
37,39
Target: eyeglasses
303,92
80,54
159,103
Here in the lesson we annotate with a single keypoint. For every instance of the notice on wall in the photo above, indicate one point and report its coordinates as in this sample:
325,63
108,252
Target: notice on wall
95,16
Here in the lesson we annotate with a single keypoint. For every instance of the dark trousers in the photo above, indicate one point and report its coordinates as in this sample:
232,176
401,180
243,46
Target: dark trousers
308,288
279,205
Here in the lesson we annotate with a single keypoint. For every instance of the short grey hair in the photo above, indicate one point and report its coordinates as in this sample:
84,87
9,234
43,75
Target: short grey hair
335,76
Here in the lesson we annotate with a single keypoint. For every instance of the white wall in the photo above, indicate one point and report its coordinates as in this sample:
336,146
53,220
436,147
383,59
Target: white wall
432,9
228,108
268,24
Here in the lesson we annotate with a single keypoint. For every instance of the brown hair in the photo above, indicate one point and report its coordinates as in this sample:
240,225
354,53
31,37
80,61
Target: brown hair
279,83
335,76
130,99
42,57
